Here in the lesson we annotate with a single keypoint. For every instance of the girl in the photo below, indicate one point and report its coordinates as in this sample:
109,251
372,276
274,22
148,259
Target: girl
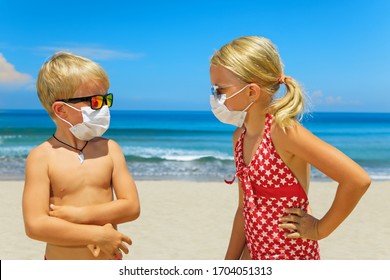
273,153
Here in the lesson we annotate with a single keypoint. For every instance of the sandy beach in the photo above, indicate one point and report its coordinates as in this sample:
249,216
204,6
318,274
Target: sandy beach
192,221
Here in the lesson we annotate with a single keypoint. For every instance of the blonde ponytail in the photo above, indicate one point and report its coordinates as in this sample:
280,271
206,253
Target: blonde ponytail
290,106
255,59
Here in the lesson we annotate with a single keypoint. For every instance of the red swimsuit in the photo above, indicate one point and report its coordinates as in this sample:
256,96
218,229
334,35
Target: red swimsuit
269,188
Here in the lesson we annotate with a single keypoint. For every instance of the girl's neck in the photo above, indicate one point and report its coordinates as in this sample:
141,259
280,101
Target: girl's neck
254,123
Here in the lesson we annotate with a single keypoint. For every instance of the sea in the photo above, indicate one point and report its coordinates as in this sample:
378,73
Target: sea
194,145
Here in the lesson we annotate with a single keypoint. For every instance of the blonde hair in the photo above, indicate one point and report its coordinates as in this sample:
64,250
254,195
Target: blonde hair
63,74
255,59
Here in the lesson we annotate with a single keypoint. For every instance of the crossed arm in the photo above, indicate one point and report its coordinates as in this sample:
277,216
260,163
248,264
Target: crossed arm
64,226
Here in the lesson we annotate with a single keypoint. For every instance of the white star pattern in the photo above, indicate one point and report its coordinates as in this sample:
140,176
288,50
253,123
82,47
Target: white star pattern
269,188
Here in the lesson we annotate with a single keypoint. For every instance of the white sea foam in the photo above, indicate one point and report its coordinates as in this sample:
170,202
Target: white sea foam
16,151
174,154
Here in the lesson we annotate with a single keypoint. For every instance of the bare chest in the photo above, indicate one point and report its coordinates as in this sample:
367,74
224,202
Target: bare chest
76,183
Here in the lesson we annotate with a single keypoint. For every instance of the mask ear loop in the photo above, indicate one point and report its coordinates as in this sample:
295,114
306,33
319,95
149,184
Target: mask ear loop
238,92
71,107
247,107
71,125
250,104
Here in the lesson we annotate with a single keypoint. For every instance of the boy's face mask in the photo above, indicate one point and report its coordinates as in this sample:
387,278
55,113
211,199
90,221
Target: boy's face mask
95,122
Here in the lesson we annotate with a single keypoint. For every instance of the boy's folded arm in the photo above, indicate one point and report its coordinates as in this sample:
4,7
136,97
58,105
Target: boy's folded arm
38,224
60,232
63,233
126,207
113,212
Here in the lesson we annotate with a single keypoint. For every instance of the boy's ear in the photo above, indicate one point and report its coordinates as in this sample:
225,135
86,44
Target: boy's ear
254,92
58,109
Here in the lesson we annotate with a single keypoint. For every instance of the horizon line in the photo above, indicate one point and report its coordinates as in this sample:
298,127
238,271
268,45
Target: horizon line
197,110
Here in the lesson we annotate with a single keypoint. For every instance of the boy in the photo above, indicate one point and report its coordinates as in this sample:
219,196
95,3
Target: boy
71,179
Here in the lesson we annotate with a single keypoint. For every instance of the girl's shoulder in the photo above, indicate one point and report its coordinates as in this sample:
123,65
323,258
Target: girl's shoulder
286,136
278,131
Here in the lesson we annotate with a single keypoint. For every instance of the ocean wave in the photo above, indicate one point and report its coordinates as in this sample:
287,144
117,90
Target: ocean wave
380,177
10,136
194,157
160,169
15,152
122,131
7,138
161,154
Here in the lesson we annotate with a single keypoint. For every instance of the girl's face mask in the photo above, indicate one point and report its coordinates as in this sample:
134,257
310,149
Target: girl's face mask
222,113
95,122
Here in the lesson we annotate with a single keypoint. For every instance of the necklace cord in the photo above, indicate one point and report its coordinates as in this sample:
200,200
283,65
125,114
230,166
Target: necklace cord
70,146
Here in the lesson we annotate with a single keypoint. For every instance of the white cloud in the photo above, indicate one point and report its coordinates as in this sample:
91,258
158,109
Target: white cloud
334,100
319,99
10,78
93,52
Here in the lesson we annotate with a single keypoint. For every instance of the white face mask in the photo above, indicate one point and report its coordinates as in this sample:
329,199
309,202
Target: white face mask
223,114
95,123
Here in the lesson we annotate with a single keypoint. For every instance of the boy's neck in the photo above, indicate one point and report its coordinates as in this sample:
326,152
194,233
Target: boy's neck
69,139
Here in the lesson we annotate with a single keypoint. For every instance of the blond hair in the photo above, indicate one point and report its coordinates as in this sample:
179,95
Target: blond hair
255,59
63,74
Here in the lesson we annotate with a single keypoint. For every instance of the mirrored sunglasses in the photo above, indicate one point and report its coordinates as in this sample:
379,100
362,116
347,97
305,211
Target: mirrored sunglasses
95,101
215,91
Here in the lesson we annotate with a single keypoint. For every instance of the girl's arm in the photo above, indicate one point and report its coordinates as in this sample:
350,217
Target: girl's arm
237,238
40,226
125,208
352,179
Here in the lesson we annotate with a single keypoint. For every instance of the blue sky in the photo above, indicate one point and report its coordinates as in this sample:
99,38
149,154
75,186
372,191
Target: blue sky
157,52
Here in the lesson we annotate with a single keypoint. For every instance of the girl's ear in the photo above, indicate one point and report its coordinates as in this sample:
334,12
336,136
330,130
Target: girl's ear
58,109
254,92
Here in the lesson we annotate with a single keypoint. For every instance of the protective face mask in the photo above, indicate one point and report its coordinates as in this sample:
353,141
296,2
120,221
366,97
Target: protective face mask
95,123
223,114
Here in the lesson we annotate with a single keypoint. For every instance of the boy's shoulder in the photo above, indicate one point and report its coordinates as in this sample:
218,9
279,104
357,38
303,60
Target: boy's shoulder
101,141
41,149
40,153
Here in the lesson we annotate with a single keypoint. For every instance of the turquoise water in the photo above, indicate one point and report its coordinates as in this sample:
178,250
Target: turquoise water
194,145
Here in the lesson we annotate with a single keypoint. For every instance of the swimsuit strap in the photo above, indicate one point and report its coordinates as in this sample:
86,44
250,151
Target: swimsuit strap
267,126
238,147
